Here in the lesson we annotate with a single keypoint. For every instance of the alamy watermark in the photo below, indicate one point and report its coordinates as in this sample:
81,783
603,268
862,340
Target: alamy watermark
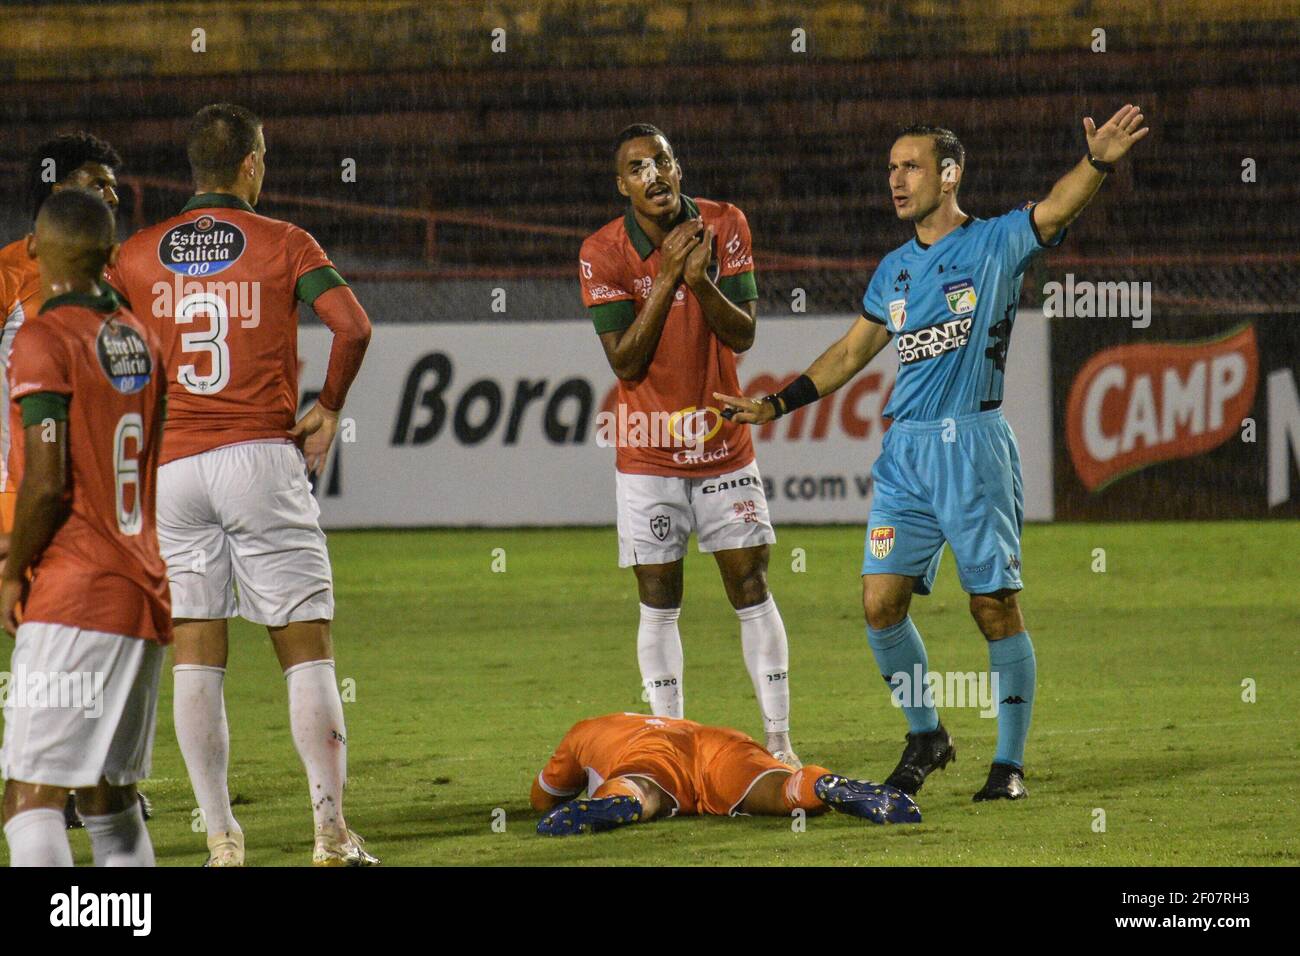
59,690
923,688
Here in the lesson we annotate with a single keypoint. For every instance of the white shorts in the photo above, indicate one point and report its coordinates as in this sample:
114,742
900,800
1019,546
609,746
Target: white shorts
244,516
656,515
79,707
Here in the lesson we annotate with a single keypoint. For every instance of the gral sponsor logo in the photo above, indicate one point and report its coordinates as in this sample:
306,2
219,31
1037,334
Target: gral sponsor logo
687,428
1135,405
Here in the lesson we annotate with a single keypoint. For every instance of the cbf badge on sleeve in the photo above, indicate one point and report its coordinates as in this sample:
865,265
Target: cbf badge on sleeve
960,296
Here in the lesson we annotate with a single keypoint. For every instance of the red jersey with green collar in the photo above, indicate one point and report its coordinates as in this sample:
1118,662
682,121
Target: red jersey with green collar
85,359
221,285
668,422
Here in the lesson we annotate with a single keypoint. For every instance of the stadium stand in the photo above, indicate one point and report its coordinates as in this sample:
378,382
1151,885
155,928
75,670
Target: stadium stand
475,168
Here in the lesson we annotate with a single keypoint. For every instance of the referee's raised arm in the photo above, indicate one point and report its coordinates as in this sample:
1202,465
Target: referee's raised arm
1073,191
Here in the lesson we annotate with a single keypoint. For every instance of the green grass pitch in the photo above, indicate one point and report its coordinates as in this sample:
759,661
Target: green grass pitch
461,679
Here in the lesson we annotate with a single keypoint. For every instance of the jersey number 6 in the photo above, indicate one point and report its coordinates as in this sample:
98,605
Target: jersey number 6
128,440
212,341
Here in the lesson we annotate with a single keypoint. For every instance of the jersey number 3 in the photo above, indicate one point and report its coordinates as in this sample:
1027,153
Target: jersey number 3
211,341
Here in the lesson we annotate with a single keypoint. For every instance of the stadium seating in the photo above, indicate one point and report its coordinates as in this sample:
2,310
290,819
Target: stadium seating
800,145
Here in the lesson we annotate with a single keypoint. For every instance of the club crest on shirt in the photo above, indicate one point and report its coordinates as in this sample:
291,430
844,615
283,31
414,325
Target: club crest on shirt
960,296
882,542
897,313
659,526
202,247
124,357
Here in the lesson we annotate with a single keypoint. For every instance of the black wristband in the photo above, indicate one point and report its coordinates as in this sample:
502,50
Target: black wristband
802,391
1100,166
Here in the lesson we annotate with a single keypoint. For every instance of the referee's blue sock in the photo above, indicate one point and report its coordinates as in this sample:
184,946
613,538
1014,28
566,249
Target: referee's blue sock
898,650
1012,660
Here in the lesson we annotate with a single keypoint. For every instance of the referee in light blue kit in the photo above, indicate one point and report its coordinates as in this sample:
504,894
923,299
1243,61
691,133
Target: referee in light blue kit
949,469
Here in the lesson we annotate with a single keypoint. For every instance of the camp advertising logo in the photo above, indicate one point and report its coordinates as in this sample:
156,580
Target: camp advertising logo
124,357
202,247
1132,406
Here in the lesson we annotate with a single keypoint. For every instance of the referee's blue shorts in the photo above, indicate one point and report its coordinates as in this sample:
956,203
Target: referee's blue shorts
955,480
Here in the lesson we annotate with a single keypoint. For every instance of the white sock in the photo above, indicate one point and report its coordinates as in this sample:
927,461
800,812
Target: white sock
767,656
120,839
316,716
199,713
659,652
38,838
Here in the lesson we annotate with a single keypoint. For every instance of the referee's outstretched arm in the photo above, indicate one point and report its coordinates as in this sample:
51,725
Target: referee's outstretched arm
1074,190
839,363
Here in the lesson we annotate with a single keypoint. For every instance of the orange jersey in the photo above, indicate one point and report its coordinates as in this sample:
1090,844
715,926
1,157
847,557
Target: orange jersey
704,769
617,267
221,286
102,570
20,298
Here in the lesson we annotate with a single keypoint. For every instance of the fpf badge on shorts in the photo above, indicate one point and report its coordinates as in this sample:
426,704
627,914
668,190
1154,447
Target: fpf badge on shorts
882,542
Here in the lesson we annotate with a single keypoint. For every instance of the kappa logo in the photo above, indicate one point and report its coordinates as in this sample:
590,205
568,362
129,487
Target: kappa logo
1014,699
659,526
960,296
882,542
903,276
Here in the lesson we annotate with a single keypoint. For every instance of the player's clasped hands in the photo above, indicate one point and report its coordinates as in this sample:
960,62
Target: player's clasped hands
677,247
1117,135
697,262
746,411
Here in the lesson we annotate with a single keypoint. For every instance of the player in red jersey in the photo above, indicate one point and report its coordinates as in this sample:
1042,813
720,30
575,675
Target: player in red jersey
70,160
635,768
83,557
222,285
67,161
672,311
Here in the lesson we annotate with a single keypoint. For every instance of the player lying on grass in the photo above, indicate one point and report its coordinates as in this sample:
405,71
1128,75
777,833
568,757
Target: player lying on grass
636,767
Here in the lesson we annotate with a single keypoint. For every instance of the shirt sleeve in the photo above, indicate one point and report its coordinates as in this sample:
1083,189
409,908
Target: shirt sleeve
874,306
562,776
311,270
115,276
605,290
1017,238
39,363
736,278
8,292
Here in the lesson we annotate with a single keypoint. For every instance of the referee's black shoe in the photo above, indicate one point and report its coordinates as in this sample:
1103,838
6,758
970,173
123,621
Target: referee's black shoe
924,754
1006,782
